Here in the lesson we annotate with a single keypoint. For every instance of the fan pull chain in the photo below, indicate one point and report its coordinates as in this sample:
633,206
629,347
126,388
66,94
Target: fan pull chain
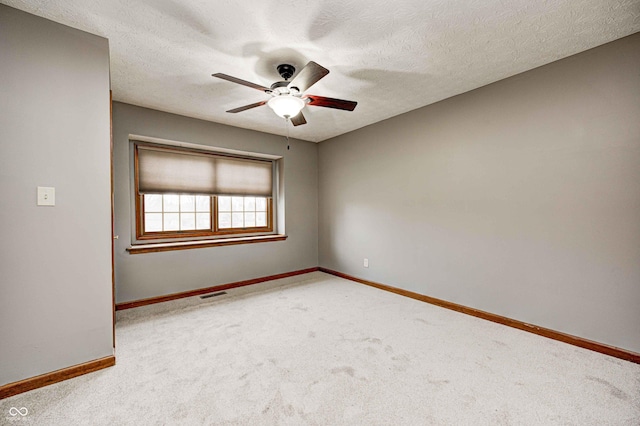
286,124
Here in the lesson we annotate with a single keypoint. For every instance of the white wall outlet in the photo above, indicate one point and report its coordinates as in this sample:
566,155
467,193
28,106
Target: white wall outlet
366,263
46,196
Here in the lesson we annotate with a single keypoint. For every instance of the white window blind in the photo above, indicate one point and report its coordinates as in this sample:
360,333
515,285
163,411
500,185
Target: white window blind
186,172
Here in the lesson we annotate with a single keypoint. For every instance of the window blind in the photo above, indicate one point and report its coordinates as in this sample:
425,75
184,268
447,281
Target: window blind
186,172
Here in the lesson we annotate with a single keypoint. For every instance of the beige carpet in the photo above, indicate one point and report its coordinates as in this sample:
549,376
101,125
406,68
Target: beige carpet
316,349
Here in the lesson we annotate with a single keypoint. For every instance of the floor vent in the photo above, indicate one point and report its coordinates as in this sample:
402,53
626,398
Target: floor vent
206,296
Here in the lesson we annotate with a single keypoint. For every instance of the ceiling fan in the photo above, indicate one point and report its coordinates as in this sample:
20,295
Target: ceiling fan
287,97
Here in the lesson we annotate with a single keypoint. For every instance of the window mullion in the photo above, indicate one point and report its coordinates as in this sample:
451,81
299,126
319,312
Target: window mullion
179,213
162,212
214,213
141,214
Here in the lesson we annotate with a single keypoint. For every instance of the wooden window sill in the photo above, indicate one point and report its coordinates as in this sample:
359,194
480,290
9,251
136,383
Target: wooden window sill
186,245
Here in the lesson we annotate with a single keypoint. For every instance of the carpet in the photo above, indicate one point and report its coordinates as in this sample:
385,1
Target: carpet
320,350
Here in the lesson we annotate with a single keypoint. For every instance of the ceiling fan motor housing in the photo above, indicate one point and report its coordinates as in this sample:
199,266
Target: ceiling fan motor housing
282,88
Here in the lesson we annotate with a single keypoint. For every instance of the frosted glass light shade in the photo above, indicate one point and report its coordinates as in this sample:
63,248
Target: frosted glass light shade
286,105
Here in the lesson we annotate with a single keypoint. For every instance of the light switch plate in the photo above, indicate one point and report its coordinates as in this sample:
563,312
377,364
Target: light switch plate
46,196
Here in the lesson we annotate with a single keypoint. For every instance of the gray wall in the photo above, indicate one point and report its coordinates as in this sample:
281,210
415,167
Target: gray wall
153,274
55,262
521,198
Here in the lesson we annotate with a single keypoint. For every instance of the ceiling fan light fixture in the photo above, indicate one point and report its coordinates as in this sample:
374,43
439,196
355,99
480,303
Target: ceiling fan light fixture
286,105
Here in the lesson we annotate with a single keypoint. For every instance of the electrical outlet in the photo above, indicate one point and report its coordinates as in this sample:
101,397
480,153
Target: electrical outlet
366,262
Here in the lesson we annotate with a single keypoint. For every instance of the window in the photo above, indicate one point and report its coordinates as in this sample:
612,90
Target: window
242,212
184,193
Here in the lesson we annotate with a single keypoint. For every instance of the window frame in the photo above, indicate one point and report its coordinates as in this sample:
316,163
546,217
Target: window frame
191,235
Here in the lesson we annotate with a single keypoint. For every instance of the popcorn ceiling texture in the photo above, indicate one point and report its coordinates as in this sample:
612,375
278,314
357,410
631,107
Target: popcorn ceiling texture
390,57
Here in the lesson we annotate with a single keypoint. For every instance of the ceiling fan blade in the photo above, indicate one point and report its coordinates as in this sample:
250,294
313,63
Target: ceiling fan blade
298,120
240,81
332,103
308,76
246,107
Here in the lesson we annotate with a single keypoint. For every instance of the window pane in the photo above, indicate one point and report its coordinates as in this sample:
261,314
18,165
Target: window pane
185,212
224,220
224,204
187,203
152,222
171,221
249,219
203,221
187,221
203,203
237,204
171,203
249,204
152,203
237,220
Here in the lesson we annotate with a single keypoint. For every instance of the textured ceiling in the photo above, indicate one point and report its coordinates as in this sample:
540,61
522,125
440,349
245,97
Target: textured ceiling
391,57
